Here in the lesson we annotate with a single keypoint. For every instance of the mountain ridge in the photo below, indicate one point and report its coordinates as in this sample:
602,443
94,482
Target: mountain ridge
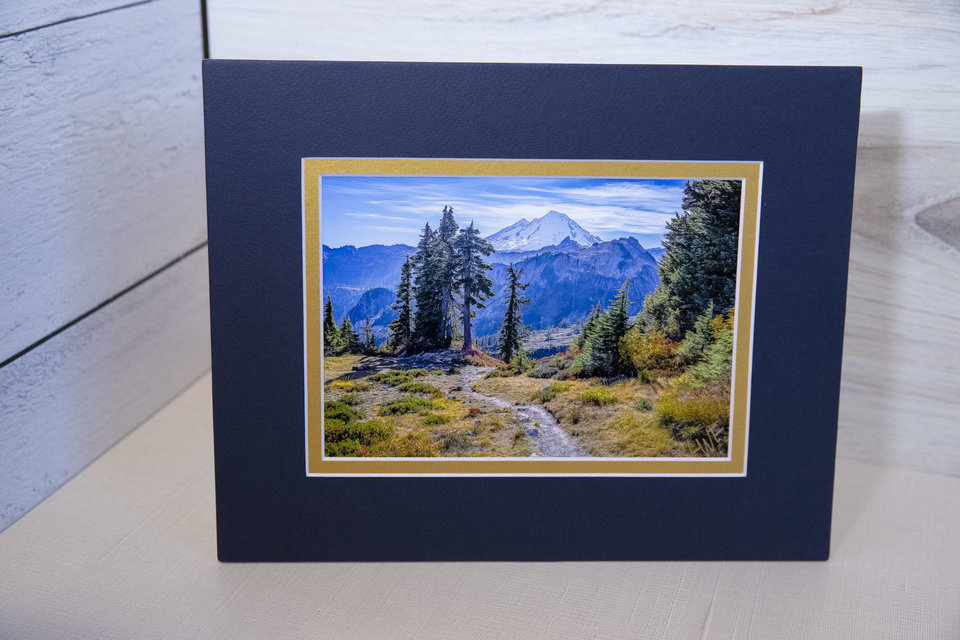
566,284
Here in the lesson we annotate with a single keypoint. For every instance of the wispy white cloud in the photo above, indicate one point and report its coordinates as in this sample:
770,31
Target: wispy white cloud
378,216
608,208
626,193
387,228
607,219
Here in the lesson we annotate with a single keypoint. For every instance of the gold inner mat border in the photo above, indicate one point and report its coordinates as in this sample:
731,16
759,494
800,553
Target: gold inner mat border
735,464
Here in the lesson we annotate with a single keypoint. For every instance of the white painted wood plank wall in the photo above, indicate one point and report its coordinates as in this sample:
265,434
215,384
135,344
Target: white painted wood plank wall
101,129
899,403
102,318
72,398
17,17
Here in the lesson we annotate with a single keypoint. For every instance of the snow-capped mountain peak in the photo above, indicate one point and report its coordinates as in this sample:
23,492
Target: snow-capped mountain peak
549,229
518,225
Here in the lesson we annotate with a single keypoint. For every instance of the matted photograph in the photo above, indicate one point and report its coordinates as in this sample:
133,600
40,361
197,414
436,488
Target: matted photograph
489,328
526,317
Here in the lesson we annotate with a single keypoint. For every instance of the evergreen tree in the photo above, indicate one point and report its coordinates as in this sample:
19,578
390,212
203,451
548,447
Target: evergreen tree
697,340
447,235
512,330
402,327
471,276
331,336
717,362
429,263
369,342
700,260
659,314
602,349
349,340
588,327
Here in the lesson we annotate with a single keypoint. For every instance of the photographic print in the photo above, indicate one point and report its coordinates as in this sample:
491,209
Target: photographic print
486,349
556,317
524,312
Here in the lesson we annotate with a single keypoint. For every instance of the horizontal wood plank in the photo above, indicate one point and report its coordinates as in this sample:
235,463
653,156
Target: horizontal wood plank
17,17
67,401
907,49
101,149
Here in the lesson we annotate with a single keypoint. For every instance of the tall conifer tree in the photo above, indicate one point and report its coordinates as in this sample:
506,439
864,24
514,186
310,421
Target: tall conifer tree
602,348
698,339
331,336
512,330
588,326
369,341
447,235
429,263
471,276
699,265
349,340
402,327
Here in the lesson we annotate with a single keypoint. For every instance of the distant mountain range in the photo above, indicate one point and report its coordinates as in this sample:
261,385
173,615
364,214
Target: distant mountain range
567,275
350,272
506,257
565,285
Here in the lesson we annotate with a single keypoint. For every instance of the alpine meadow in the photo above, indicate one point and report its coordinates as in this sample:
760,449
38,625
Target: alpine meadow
528,317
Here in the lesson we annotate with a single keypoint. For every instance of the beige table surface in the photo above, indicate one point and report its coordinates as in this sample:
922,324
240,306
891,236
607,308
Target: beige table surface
127,550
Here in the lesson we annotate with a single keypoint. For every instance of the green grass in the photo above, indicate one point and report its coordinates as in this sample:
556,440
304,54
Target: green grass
600,396
398,431
354,438
644,404
513,389
377,437
412,445
352,398
348,385
365,432
697,414
335,367
346,448
417,386
406,404
640,436
457,441
686,405
397,377
339,410
549,393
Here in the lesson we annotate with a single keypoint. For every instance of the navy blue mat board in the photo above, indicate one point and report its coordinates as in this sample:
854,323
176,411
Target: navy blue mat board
262,118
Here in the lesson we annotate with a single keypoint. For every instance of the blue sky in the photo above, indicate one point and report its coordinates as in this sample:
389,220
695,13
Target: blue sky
365,210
